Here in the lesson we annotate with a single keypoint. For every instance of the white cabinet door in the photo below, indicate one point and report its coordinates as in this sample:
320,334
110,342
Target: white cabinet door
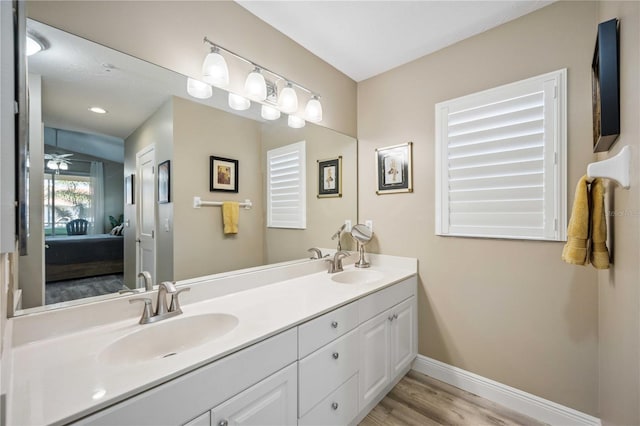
272,401
404,346
202,420
375,374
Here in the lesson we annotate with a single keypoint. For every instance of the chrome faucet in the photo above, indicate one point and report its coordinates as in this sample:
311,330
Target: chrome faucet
317,253
335,264
148,282
162,311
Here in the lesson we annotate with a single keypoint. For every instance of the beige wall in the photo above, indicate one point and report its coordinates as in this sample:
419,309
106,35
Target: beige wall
511,311
156,130
170,33
619,296
324,215
200,246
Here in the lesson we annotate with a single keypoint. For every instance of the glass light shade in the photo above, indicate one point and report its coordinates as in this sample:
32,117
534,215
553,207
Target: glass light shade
199,89
215,70
313,110
269,113
52,165
255,87
288,100
238,102
296,122
63,166
33,46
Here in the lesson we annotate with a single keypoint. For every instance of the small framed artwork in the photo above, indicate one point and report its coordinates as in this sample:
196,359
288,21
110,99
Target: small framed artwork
605,87
330,177
223,174
129,189
164,182
393,169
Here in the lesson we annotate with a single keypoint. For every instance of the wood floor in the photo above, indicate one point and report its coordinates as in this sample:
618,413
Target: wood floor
422,401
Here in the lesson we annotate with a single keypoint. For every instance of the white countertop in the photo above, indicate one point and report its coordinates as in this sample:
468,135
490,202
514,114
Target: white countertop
58,379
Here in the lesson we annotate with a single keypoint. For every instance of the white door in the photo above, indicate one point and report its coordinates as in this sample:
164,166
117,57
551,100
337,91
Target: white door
146,212
403,335
374,374
272,402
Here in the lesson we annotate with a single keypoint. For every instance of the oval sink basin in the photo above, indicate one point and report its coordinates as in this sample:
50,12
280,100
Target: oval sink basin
167,338
357,276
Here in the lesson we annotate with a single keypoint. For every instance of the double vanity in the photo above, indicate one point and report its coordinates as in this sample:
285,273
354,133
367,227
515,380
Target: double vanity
290,344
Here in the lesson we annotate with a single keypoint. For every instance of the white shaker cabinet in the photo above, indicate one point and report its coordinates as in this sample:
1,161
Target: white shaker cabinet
388,346
271,402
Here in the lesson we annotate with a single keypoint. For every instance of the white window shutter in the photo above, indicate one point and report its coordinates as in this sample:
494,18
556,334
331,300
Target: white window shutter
286,187
500,161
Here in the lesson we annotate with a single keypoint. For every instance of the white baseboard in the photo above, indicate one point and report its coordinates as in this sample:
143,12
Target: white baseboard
517,400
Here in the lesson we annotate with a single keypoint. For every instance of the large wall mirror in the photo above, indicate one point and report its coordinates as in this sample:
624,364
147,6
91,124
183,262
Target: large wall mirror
102,210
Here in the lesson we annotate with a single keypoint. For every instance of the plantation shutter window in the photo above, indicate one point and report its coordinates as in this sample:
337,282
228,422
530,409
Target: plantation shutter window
501,161
286,187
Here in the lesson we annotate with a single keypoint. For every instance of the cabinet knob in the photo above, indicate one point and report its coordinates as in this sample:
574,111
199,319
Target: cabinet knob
336,355
395,316
223,423
334,324
390,318
334,405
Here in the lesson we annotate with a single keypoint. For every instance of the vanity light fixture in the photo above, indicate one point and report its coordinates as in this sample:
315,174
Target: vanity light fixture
98,110
313,110
296,122
255,86
199,89
259,89
35,44
214,68
237,102
269,113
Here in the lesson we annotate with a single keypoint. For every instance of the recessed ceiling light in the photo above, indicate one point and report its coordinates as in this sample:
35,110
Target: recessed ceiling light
98,110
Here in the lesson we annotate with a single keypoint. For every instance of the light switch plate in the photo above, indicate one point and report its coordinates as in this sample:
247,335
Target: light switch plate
369,224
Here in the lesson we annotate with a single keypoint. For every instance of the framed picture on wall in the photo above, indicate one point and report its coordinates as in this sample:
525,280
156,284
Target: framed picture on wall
393,169
223,174
129,189
330,177
605,87
164,182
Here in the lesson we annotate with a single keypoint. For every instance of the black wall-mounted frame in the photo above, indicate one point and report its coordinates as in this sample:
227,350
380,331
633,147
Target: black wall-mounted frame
605,81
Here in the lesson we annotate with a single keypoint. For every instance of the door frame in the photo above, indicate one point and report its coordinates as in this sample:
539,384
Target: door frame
138,203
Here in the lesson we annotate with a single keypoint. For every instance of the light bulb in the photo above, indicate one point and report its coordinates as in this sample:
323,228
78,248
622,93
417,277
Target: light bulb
295,122
198,89
238,102
98,110
269,113
255,87
288,99
52,165
215,70
63,166
313,110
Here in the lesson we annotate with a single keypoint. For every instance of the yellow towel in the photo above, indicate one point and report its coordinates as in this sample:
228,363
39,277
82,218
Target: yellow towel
575,250
599,252
230,213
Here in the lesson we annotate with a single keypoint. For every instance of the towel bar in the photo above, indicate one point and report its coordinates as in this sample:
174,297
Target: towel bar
197,203
615,168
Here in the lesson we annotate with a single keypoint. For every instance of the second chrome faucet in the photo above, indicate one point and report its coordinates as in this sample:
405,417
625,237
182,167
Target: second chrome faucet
162,311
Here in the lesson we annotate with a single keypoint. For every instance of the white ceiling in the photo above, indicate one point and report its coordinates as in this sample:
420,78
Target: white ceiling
366,38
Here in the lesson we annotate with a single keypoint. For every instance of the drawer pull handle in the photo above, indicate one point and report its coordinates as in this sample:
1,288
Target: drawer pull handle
334,324
223,423
334,405
336,355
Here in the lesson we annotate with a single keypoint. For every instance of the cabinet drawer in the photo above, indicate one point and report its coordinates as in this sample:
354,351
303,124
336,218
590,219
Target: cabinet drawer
339,408
324,370
382,300
318,332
